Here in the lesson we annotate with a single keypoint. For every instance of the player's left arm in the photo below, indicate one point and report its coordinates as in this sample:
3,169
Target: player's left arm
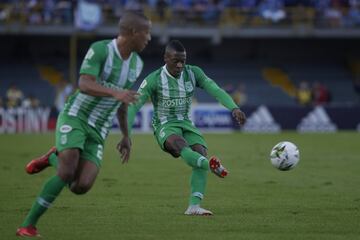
221,96
124,146
145,91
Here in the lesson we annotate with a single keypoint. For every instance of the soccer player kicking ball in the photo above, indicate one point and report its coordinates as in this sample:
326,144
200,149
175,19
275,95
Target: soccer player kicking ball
171,89
109,68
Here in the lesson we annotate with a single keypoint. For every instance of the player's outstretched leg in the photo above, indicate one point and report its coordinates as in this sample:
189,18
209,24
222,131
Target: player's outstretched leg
48,194
38,164
198,184
217,168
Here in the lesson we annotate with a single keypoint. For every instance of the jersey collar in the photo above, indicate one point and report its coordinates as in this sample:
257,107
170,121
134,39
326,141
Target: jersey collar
167,73
117,50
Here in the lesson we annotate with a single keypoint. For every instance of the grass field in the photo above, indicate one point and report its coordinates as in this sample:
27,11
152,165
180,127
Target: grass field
319,199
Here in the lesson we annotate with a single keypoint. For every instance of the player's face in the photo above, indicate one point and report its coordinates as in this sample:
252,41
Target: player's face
142,37
175,62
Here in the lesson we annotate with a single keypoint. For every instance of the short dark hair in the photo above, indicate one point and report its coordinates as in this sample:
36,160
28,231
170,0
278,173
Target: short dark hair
131,20
175,45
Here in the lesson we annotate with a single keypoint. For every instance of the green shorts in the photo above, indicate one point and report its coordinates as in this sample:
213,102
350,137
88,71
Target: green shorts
71,132
181,128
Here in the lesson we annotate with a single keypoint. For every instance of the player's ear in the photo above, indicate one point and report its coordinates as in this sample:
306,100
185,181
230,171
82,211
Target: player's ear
133,31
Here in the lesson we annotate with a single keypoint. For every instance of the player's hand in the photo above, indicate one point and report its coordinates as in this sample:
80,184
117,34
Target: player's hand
124,147
239,116
126,96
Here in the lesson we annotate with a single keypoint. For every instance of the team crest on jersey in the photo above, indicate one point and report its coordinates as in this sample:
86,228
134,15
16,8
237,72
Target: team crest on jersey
188,86
65,129
132,75
143,84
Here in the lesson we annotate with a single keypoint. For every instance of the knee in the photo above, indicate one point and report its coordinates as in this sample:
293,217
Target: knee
66,175
174,144
68,164
80,188
175,152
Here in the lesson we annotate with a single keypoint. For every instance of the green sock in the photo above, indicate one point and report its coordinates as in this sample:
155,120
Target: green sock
50,191
194,159
198,184
53,160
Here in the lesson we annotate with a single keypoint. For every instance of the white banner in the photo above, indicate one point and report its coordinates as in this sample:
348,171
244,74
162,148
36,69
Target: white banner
24,120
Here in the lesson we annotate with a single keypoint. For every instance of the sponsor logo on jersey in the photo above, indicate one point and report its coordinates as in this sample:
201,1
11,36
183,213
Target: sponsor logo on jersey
188,86
65,129
316,121
176,102
261,120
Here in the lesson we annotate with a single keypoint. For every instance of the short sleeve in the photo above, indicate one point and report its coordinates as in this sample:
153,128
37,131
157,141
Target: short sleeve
94,59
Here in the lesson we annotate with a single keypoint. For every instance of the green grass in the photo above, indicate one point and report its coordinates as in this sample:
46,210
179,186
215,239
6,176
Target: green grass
145,199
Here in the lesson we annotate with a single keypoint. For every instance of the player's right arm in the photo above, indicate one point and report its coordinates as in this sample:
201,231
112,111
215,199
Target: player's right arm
90,72
146,90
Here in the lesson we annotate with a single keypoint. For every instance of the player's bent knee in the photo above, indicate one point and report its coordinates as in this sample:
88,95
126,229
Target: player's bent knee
174,144
175,153
80,188
66,176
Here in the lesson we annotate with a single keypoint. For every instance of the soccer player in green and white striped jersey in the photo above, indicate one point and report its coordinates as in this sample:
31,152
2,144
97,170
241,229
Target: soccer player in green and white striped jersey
109,69
171,89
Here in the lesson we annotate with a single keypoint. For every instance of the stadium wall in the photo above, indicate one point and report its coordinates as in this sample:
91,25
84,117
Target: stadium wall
208,118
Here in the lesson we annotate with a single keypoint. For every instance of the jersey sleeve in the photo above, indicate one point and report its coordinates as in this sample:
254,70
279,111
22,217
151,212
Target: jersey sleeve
146,90
212,88
94,59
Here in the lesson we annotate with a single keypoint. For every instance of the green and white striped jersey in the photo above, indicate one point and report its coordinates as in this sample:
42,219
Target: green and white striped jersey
103,61
172,97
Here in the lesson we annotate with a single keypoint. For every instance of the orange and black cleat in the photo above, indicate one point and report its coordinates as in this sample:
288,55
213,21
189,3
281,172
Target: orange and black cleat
29,231
216,167
38,164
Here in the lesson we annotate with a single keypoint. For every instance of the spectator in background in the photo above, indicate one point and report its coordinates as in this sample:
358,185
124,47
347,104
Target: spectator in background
353,16
161,6
63,90
229,88
14,96
239,95
48,10
181,10
64,12
212,12
272,10
135,5
88,15
31,102
33,9
304,94
1,103
320,94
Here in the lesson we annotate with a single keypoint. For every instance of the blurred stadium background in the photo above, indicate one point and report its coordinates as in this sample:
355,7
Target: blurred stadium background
290,64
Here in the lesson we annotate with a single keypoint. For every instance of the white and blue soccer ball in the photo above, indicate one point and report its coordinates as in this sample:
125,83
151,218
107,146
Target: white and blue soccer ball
284,156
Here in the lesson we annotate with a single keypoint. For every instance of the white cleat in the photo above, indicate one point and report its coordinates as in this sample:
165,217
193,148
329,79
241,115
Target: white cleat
197,210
